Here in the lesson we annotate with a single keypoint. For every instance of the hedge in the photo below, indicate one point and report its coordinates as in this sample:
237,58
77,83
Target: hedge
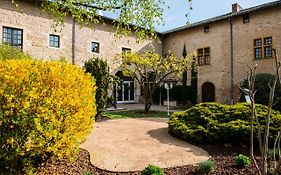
46,109
215,123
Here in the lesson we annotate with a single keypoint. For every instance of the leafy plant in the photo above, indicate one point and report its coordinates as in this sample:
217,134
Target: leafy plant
8,53
153,170
100,71
206,167
242,160
86,173
149,69
216,123
46,109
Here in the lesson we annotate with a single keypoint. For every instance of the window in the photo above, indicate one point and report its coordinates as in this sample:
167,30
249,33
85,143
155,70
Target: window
263,48
54,41
268,47
95,47
206,29
207,55
203,56
13,37
200,56
258,49
246,18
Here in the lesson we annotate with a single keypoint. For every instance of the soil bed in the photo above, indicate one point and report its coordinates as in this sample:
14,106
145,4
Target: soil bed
223,157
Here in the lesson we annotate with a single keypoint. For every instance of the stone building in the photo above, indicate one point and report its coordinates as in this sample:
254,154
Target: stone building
31,30
224,44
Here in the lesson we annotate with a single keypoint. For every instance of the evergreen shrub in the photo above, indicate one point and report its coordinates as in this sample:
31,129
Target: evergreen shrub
100,71
215,123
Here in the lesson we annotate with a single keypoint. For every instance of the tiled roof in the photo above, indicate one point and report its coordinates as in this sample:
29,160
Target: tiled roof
226,16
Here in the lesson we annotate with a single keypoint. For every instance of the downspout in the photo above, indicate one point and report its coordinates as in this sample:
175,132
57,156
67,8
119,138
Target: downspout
231,62
73,40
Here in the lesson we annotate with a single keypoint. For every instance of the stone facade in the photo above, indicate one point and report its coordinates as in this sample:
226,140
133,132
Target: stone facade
230,39
37,27
262,23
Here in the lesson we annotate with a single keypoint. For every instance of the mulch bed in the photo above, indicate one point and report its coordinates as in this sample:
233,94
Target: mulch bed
223,157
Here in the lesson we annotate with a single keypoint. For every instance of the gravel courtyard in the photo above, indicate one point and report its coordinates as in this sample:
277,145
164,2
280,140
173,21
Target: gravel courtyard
131,144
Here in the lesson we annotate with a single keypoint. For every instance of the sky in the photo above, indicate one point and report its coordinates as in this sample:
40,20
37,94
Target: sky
202,9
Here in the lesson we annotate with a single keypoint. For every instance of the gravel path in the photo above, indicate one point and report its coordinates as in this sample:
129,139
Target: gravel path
132,144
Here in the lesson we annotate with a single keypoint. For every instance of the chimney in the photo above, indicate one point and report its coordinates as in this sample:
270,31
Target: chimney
236,8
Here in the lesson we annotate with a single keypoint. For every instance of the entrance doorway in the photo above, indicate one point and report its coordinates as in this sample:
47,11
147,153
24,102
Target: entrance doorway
208,92
125,91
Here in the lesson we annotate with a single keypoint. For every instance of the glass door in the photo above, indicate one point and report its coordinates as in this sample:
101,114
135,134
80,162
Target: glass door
126,92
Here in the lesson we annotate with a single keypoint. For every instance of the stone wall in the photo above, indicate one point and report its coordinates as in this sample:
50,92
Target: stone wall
265,23
37,26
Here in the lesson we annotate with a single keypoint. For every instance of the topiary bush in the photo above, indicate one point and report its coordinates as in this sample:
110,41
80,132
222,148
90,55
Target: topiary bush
46,109
262,88
8,53
215,123
100,70
206,167
153,170
242,160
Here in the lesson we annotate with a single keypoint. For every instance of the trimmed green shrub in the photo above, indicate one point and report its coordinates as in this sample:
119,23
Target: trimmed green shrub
46,109
206,167
242,160
215,123
100,71
10,53
153,170
262,88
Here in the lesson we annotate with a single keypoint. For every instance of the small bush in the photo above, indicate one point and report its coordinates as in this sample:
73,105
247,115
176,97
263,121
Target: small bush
215,123
242,161
99,69
10,53
206,167
153,170
262,88
46,109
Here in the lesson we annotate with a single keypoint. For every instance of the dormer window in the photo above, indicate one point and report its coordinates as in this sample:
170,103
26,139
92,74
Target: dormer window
206,29
246,18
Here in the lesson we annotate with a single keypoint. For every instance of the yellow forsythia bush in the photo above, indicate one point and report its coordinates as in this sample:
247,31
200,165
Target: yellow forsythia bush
46,108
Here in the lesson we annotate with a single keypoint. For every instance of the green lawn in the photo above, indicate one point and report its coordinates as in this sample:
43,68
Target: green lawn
136,114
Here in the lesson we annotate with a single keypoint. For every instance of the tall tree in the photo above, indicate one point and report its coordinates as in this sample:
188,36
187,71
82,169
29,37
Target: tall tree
143,14
194,80
150,69
184,78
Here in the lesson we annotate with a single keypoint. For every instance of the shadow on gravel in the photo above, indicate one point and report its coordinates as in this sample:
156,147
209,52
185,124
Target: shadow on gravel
164,137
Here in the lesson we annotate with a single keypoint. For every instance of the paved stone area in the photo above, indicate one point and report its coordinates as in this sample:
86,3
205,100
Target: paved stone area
132,144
